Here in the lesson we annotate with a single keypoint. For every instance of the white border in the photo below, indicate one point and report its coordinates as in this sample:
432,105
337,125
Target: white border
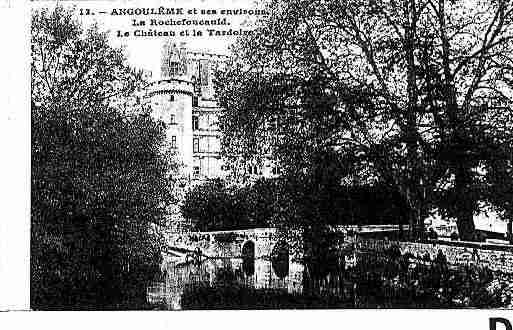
15,224
15,157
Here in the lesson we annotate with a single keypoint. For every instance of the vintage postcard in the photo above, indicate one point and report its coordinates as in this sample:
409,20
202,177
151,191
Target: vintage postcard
287,154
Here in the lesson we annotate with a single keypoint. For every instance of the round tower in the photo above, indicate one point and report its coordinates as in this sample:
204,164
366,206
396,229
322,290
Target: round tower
171,101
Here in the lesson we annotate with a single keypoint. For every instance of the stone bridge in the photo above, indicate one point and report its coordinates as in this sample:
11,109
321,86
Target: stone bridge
268,243
257,243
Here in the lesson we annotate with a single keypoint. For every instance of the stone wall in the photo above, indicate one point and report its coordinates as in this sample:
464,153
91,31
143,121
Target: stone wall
228,244
498,258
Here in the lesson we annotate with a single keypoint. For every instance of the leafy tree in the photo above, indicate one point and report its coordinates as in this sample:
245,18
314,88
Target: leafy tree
100,171
259,201
413,93
213,206
291,203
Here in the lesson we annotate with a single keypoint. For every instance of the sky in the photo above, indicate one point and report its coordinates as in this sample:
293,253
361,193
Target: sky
144,52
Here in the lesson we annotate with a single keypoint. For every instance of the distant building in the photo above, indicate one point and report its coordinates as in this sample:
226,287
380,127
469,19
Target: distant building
184,99
487,222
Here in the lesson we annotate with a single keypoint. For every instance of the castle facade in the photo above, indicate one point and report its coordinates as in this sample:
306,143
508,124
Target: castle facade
184,99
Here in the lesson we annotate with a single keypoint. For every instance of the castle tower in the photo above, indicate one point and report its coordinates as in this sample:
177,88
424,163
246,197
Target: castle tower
173,60
184,99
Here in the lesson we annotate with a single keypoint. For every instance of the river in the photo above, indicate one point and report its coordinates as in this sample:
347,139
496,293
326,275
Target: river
374,281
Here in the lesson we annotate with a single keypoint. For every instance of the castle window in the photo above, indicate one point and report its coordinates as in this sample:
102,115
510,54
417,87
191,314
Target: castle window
194,101
195,122
195,145
171,98
204,72
253,169
174,68
172,118
196,171
173,142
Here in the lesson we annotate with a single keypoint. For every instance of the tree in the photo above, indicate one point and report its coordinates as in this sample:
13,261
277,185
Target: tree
100,171
406,91
259,202
214,206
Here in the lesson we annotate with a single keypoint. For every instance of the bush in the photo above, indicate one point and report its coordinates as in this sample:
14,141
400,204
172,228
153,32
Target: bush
432,234
214,206
240,297
290,202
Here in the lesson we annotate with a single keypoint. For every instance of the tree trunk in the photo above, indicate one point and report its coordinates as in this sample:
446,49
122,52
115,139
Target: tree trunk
465,203
414,218
509,233
411,130
416,229
466,228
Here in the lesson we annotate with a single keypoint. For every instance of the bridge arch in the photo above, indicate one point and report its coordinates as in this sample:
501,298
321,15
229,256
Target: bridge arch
280,259
248,249
248,257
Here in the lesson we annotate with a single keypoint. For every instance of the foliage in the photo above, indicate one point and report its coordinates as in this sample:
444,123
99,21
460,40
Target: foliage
386,279
499,175
100,172
240,297
213,206
415,94
291,204
394,280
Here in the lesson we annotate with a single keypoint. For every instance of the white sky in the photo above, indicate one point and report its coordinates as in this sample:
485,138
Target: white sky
144,52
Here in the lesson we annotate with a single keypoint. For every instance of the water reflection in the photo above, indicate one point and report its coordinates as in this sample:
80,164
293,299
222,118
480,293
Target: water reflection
247,272
248,266
362,279
248,258
280,259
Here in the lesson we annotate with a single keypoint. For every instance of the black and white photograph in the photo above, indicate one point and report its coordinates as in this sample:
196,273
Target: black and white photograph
271,155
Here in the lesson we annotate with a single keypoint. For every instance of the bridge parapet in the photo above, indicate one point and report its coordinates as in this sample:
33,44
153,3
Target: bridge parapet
229,244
